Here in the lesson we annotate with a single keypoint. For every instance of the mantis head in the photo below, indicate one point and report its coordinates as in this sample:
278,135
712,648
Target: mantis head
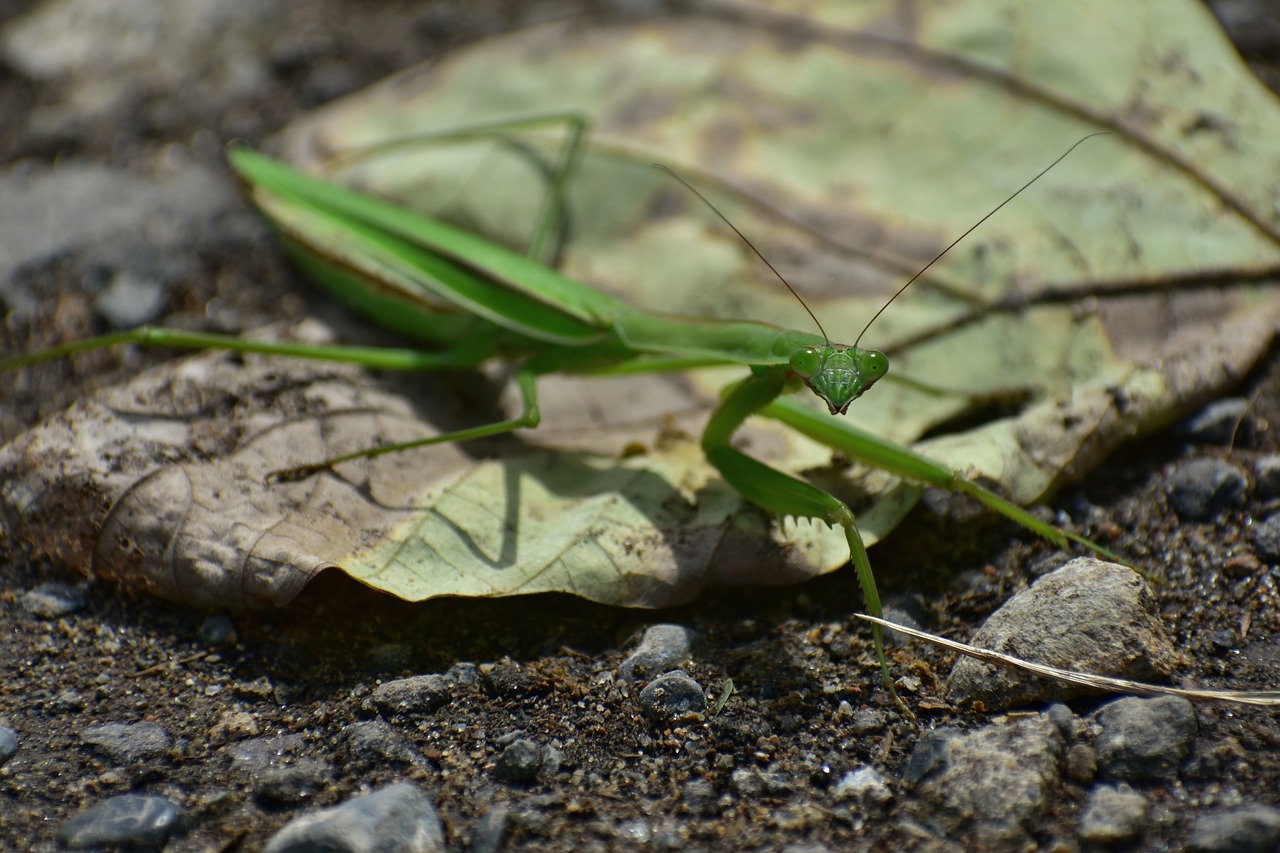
839,374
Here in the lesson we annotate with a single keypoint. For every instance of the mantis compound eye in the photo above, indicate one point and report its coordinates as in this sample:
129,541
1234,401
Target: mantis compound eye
806,362
872,364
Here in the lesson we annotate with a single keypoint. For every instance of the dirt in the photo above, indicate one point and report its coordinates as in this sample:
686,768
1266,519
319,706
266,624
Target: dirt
549,664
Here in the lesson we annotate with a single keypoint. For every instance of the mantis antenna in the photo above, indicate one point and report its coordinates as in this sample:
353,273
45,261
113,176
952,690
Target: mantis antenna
913,278
968,231
691,188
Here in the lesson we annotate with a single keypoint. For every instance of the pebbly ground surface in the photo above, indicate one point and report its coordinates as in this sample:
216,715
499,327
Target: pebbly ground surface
544,723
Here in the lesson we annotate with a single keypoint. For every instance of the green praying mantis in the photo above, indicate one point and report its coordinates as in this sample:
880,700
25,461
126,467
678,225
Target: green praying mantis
473,300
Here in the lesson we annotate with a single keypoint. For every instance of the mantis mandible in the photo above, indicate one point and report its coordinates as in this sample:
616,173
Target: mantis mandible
474,300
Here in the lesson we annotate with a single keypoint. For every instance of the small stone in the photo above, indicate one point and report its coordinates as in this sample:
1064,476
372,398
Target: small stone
1089,615
53,600
490,831
1217,423
1251,829
898,612
8,744
1266,539
234,725
521,761
68,701
699,797
636,832
375,742
929,755
1060,715
1204,488
1113,816
464,674
1081,763
127,742
661,648
1266,476
997,780
867,721
292,784
217,631
418,694
1144,739
130,300
505,680
746,782
864,786
672,695
751,782
256,754
128,820
395,819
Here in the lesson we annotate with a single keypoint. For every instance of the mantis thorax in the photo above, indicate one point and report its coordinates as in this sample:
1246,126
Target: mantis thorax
839,374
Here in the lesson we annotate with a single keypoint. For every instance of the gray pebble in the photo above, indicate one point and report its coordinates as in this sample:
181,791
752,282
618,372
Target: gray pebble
752,782
130,299
900,615
293,783
1266,476
1066,721
867,721
52,600
1251,829
8,744
700,797
521,761
255,754
127,742
395,819
995,781
68,702
1113,816
1202,489
929,756
1081,764
1216,423
1141,739
671,695
464,674
864,786
1089,615
661,648
1266,539
417,694
217,631
490,831
127,820
375,742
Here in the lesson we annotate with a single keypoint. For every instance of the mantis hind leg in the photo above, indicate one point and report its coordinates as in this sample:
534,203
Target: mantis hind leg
785,495
885,455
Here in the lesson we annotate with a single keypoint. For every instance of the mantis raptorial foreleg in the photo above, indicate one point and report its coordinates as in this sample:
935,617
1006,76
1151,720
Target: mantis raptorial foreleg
782,494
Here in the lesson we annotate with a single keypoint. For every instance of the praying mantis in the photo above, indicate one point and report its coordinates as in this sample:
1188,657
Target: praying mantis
474,300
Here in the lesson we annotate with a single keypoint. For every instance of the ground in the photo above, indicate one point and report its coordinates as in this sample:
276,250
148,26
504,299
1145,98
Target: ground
548,666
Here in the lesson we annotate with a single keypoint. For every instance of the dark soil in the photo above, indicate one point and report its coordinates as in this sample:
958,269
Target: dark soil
550,663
